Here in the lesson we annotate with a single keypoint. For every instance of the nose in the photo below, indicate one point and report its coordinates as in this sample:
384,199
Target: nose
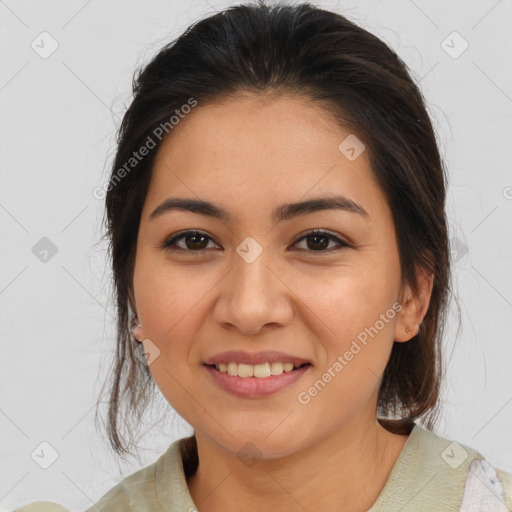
254,296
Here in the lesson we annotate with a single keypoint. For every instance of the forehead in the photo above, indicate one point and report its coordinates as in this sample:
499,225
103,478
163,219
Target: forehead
281,125
249,151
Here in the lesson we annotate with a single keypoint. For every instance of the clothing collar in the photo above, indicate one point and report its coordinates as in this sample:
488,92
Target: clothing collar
421,474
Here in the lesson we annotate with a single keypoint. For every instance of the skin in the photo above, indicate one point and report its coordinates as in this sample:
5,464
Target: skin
251,154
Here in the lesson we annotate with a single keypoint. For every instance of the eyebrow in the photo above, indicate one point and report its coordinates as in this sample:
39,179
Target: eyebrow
281,213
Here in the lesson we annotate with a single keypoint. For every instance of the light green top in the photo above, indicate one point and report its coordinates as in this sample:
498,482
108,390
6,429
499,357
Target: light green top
431,474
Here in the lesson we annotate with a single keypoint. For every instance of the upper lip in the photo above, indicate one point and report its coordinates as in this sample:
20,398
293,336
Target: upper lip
266,356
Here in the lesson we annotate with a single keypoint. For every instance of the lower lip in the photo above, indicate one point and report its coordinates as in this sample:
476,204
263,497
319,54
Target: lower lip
253,387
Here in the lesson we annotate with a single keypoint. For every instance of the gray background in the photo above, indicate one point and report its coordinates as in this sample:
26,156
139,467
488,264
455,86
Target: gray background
59,116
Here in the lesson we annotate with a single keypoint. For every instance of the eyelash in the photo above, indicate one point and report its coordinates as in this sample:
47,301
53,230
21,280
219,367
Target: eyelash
170,242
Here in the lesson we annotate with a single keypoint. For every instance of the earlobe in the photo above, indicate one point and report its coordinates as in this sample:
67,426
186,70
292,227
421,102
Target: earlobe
136,328
405,332
408,331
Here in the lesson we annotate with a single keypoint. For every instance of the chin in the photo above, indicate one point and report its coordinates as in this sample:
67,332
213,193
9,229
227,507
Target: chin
253,444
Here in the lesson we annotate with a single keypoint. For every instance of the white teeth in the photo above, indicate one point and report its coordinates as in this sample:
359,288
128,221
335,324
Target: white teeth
262,370
245,370
232,369
259,371
276,368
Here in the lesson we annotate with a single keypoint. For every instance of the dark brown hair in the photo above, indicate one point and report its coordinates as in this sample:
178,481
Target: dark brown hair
363,84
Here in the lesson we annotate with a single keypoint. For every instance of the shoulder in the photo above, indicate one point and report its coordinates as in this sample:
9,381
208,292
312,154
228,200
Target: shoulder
134,492
434,473
501,483
484,487
157,487
41,506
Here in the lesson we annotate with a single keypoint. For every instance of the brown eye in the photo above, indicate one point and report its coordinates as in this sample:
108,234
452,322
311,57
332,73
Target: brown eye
318,241
193,241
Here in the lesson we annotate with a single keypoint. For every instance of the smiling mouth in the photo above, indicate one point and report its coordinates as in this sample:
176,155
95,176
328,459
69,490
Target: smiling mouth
260,371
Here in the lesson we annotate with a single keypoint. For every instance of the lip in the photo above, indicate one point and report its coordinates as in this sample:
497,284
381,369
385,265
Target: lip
253,387
266,356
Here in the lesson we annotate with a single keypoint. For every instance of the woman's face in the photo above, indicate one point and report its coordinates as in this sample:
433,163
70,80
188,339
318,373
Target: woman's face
254,281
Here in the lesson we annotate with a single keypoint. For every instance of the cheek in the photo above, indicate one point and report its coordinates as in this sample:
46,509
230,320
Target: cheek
173,306
353,301
165,295
170,307
357,309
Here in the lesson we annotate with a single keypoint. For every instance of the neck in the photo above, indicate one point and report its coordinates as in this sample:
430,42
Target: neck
347,470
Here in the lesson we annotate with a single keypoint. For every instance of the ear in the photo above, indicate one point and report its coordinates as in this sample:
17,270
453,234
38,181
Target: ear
135,326
414,307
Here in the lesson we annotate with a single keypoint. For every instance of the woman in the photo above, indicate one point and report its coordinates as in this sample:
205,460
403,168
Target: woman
276,213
